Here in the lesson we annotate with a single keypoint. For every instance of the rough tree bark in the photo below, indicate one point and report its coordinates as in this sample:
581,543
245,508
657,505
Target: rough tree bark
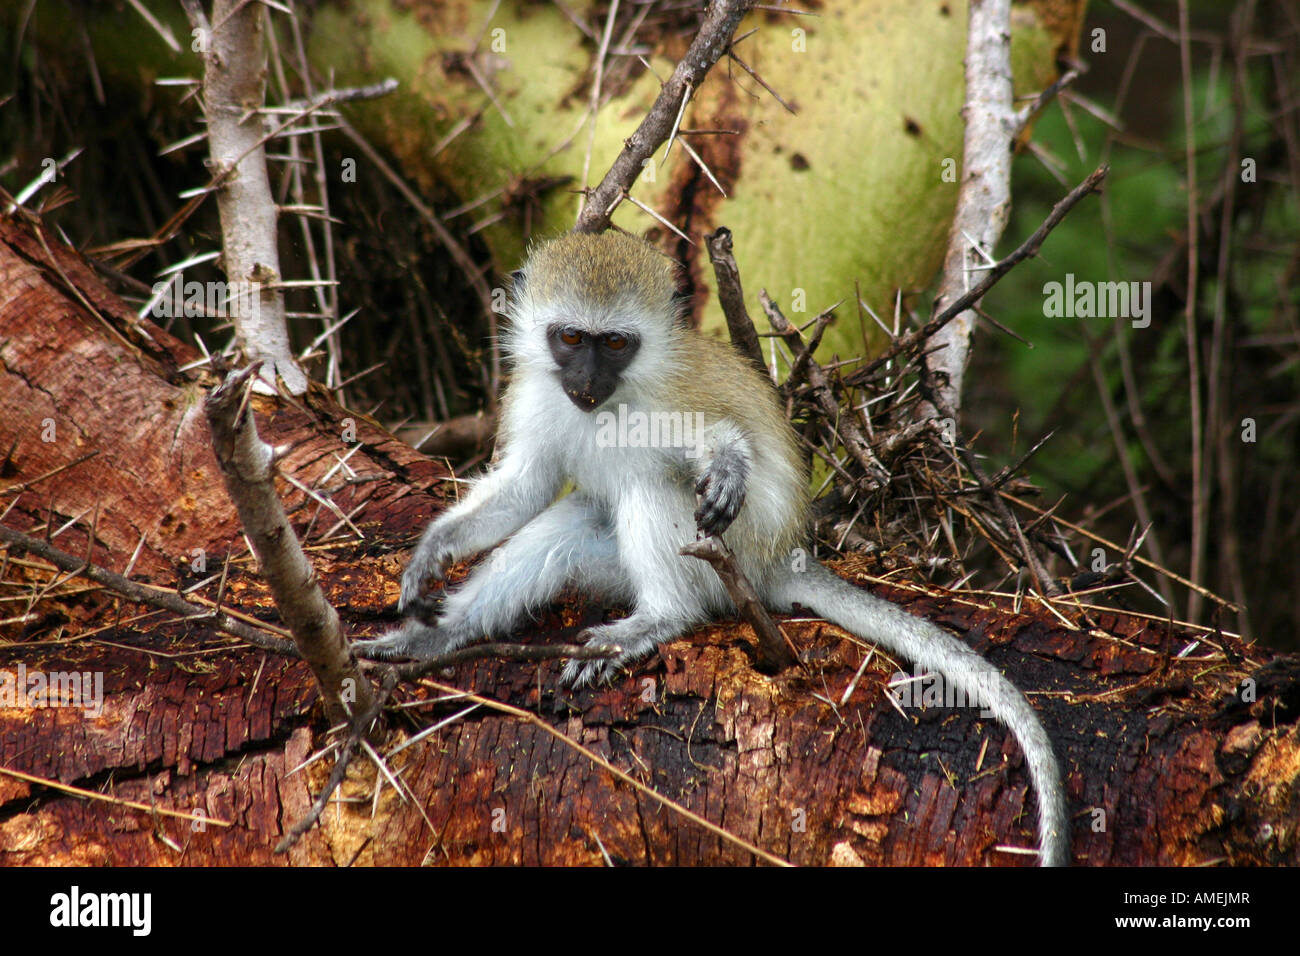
1166,760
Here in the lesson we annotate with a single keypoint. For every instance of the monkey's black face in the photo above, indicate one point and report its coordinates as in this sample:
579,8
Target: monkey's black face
590,364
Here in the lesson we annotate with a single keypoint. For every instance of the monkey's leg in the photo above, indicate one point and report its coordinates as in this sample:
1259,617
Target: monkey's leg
567,542
672,593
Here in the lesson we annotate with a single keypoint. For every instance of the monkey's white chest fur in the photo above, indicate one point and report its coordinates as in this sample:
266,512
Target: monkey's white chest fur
634,467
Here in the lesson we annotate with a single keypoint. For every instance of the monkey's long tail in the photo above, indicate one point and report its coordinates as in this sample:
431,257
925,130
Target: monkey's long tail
938,652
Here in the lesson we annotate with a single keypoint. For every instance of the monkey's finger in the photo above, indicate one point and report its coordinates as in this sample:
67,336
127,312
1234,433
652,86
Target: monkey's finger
715,500
706,519
711,523
378,650
718,512
426,608
418,605
412,641
414,578
579,674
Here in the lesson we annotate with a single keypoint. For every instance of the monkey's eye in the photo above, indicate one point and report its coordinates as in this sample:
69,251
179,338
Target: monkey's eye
571,337
615,341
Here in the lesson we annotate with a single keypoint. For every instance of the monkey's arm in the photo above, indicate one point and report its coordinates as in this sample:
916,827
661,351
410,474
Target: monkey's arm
723,474
500,503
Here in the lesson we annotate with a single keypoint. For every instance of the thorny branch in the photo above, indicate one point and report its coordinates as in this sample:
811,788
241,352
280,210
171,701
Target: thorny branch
823,395
248,467
710,43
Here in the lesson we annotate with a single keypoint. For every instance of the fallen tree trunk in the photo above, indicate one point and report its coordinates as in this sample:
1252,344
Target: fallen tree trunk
1177,747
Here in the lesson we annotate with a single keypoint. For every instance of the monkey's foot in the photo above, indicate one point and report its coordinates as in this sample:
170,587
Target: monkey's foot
422,607
412,641
593,673
578,674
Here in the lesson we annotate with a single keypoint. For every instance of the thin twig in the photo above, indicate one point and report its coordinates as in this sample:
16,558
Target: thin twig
116,801
1025,250
732,297
143,594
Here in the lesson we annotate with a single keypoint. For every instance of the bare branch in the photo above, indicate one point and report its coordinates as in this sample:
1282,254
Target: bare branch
984,200
710,43
732,298
247,464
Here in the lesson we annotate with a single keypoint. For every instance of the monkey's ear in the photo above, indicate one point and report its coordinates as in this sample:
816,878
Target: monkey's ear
518,279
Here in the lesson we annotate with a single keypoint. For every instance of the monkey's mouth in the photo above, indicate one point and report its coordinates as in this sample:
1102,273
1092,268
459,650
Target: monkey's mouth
589,395
584,400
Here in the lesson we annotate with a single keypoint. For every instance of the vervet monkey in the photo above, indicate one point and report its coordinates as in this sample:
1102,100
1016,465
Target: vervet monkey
613,394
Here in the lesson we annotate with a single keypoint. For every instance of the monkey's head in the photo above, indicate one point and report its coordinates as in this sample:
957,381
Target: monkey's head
598,312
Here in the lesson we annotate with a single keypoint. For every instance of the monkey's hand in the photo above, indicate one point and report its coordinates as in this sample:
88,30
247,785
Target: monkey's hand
722,490
412,641
429,561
